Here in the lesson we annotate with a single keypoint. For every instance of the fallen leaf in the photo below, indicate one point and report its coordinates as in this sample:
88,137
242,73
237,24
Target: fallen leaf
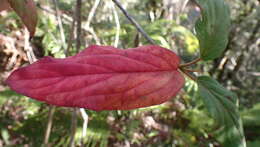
102,78
26,9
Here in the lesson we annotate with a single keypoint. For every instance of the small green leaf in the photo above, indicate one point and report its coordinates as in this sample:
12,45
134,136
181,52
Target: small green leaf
212,28
5,135
222,105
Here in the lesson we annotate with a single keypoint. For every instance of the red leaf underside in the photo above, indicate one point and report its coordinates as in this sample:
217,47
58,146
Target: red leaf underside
102,78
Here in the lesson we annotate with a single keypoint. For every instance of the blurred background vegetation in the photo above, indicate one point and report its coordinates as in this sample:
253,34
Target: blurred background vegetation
183,121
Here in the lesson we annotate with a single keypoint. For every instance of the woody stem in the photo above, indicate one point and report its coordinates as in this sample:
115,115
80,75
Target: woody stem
190,70
188,74
190,63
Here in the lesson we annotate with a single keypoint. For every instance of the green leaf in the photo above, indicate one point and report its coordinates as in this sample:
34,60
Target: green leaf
222,106
189,39
251,116
5,135
212,28
255,143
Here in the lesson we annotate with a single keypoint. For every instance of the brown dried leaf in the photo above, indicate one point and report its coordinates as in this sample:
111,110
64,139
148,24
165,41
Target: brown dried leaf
26,9
4,5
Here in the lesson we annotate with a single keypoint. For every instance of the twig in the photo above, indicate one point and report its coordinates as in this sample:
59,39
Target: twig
85,124
71,35
117,26
190,63
28,48
191,70
184,4
188,74
67,19
92,32
52,108
31,57
73,128
78,44
131,19
58,15
92,12
78,20
49,125
257,74
13,59
90,18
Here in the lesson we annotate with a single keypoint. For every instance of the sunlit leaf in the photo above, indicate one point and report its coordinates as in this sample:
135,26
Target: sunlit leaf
222,105
191,41
162,40
212,28
103,78
26,9
5,135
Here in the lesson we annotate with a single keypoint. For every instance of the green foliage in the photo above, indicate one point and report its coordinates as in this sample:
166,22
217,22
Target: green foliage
190,41
251,121
221,104
49,31
27,12
98,130
251,116
7,94
212,28
254,143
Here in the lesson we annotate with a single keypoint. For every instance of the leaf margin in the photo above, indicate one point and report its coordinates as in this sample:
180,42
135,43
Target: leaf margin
213,28
226,134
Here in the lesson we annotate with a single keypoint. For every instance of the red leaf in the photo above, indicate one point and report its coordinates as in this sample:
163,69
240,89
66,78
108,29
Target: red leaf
102,78
26,9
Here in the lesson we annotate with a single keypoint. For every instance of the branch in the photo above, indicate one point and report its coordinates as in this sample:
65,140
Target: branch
78,44
85,124
28,48
90,18
117,25
190,63
58,15
131,19
92,12
73,127
49,125
68,19
190,75
78,19
71,36
31,57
